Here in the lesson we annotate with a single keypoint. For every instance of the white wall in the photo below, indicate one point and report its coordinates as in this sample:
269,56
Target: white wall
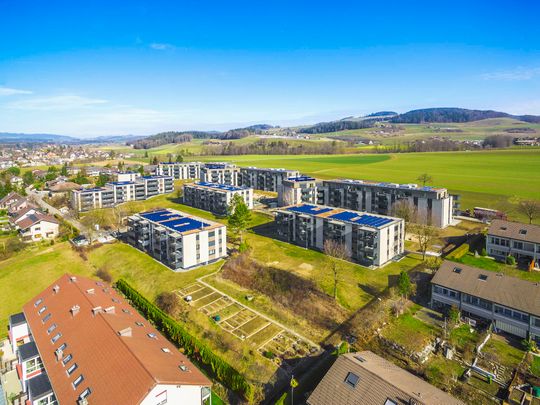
174,394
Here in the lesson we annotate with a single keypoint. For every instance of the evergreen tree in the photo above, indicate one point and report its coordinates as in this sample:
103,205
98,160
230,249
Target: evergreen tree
239,216
179,159
404,284
64,170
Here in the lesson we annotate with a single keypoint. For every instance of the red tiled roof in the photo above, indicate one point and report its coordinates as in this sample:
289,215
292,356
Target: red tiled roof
33,219
118,369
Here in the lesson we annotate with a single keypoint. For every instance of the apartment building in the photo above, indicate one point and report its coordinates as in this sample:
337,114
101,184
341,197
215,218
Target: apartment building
126,176
178,240
432,205
516,239
215,197
372,240
512,304
365,378
222,173
298,190
80,342
117,192
180,171
264,179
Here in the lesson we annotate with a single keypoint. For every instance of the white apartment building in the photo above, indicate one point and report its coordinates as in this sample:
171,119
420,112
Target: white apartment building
298,190
180,170
266,179
126,176
222,173
178,240
372,240
215,197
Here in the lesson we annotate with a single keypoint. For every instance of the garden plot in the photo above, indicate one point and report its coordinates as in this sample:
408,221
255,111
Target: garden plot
287,345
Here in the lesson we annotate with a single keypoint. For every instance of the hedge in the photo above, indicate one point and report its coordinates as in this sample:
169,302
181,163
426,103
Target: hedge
198,352
459,252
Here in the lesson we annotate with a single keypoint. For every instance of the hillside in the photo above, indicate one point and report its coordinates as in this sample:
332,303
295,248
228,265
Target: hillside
455,115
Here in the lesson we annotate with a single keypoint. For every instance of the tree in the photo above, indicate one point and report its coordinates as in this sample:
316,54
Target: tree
337,251
529,208
405,210
141,170
64,170
239,216
28,178
13,170
154,160
169,155
425,235
454,315
102,180
167,302
424,178
179,158
104,274
404,285
93,220
145,153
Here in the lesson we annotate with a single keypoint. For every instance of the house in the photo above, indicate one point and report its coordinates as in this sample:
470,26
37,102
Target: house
22,214
64,187
87,345
367,379
18,204
37,226
522,241
176,239
39,174
266,179
372,240
16,181
9,199
215,197
510,303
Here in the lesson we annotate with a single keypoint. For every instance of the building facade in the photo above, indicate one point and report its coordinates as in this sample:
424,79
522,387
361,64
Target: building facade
215,197
126,176
264,179
372,240
222,173
298,190
512,304
178,240
79,342
118,192
522,241
180,170
431,205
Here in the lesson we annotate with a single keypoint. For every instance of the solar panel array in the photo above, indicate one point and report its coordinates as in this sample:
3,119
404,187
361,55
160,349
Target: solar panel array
310,209
219,186
347,216
301,178
173,220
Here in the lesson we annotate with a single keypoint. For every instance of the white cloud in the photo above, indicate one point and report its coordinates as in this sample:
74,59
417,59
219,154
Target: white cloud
161,46
519,73
7,91
65,102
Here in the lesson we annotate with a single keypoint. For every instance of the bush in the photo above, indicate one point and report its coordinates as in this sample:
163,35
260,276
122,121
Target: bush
269,355
510,260
459,252
529,345
198,352
104,274
167,302
244,247
484,252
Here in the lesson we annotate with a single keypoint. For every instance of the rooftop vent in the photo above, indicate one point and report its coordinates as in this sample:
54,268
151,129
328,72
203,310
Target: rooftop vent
183,367
96,310
73,279
360,359
75,310
90,291
125,331
59,354
503,228
165,350
109,310
56,288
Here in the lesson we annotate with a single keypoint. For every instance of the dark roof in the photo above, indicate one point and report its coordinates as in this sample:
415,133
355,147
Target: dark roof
509,291
515,230
39,386
28,351
17,319
33,219
375,381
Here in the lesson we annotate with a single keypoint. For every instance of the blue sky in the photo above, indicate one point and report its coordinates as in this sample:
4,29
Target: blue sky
140,67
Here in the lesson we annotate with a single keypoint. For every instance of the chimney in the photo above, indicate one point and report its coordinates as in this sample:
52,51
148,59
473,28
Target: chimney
96,310
90,291
109,310
59,354
75,310
56,288
125,332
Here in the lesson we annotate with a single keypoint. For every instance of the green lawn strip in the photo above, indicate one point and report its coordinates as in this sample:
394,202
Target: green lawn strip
440,370
535,366
462,336
495,266
507,354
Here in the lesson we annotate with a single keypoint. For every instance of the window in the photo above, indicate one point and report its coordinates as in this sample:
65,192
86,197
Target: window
78,380
482,277
85,393
457,270
352,379
72,368
38,302
51,328
62,346
152,335
139,323
33,365
523,232
67,359
43,308
46,317
56,337
389,402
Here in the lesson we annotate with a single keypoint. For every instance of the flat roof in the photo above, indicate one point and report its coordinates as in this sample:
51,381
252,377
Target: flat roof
217,186
39,386
385,184
175,220
338,214
28,351
120,183
270,169
156,177
301,178
501,289
17,319
219,165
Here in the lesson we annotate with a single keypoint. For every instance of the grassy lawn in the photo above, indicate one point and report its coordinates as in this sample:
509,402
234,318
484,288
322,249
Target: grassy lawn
495,266
439,371
409,331
535,366
462,336
507,353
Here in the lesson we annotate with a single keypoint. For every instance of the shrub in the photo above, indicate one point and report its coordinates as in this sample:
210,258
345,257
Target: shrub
484,252
459,252
167,302
198,352
529,345
510,260
269,355
104,274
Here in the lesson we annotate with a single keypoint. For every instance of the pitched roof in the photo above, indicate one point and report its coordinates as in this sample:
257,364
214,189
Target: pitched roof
509,291
21,213
33,219
119,367
515,230
12,195
378,380
64,186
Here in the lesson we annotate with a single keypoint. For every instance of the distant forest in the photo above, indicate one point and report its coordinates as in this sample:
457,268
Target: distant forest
452,115
335,126
272,147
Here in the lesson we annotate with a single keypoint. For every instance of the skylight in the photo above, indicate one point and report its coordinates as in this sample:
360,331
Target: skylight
523,232
38,302
42,309
482,277
56,337
51,328
139,323
72,368
46,317
85,393
352,379
457,270
67,359
152,336
389,402
78,380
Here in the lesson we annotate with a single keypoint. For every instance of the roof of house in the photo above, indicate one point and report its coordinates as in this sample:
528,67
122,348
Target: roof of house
178,221
515,230
120,355
300,178
342,215
216,186
377,380
509,291
11,196
39,386
386,185
21,213
17,319
64,186
36,218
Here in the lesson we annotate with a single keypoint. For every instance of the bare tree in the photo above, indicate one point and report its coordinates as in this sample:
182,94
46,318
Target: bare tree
167,302
405,210
425,235
93,221
529,208
424,178
337,251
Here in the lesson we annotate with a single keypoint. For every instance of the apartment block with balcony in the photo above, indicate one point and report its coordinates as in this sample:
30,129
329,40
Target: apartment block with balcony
222,173
81,335
215,197
505,238
372,240
432,205
126,176
178,240
512,304
266,179
298,190
180,170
